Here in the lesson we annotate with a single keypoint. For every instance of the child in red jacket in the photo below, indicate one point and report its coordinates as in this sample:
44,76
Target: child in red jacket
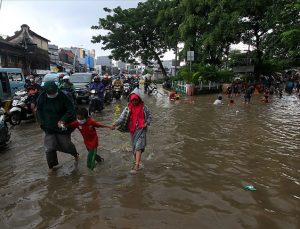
86,126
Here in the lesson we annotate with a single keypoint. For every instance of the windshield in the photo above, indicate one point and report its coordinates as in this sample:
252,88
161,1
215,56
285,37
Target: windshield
50,78
80,78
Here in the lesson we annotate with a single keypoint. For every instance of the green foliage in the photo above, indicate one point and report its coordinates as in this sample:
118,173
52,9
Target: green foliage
185,74
204,73
148,71
270,28
133,33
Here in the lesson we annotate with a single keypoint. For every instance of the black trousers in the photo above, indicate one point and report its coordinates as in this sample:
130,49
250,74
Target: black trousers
58,142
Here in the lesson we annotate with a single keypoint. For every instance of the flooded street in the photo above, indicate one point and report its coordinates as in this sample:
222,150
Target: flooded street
197,160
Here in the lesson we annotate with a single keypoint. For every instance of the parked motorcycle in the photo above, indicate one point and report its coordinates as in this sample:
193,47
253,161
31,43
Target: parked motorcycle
108,96
96,103
4,131
126,89
117,91
20,108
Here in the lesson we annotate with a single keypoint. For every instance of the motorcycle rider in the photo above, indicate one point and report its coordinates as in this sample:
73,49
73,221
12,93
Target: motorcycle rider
117,82
33,89
146,84
68,88
126,80
106,80
99,87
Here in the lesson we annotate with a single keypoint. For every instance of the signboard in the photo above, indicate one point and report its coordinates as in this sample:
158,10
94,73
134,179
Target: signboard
243,69
190,56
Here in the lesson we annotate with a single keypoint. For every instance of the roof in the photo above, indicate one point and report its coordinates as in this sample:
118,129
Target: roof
18,33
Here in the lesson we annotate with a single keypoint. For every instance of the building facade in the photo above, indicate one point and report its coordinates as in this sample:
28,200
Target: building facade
25,49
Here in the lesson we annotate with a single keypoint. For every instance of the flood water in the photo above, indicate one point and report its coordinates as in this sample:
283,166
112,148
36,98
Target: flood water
197,160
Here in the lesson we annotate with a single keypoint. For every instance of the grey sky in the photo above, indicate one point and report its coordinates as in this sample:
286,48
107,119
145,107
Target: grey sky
65,23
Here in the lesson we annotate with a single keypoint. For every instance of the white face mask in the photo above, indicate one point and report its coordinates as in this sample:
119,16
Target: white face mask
82,121
52,96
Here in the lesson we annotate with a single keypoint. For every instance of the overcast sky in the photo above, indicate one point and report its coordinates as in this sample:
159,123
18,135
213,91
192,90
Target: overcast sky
65,23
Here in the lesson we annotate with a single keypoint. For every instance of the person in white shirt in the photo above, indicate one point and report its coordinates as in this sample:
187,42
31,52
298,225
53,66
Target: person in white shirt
218,101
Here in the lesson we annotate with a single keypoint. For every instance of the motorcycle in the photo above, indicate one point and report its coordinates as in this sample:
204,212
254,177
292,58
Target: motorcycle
136,83
126,89
108,97
95,104
117,91
4,131
20,108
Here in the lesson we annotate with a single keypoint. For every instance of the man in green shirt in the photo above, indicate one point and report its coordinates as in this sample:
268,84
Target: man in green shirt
54,109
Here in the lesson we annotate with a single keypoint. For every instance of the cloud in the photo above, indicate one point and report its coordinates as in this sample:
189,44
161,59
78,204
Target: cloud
65,23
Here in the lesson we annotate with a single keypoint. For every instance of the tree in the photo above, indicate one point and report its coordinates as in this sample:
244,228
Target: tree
266,26
209,28
133,33
169,18
282,45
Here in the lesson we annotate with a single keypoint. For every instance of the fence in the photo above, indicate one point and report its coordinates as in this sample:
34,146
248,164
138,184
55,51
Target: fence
201,88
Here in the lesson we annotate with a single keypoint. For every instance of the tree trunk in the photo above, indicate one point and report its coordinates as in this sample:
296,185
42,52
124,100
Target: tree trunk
258,52
176,48
160,65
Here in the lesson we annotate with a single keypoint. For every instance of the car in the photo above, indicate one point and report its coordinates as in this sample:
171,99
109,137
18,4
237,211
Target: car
12,80
53,76
81,82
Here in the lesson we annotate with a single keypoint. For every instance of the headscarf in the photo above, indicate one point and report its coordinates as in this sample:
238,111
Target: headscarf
137,116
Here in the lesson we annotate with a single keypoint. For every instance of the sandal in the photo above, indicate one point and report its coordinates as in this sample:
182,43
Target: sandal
135,169
98,158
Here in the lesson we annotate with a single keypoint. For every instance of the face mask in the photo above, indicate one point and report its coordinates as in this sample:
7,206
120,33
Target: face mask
52,96
82,121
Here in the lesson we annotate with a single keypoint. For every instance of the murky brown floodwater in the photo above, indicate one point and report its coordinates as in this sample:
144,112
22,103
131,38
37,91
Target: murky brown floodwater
197,161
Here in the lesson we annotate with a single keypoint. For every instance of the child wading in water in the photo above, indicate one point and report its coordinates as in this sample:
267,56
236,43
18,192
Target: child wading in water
86,126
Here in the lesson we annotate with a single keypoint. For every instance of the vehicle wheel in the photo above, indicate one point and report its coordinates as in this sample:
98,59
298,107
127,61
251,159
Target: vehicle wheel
109,99
118,96
15,118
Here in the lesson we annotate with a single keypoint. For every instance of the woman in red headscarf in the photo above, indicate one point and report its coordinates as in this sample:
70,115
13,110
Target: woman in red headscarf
136,117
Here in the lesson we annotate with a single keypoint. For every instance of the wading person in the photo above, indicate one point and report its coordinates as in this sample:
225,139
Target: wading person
218,101
54,110
136,117
248,94
86,126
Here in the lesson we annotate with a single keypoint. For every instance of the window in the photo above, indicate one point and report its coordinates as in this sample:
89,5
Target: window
14,76
12,60
5,83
